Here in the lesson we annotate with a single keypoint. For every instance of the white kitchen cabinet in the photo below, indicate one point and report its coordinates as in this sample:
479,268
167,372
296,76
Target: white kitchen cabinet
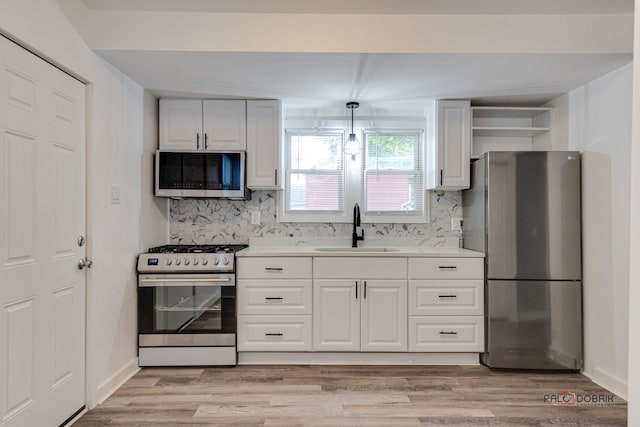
180,124
264,141
510,129
448,145
383,310
336,315
274,303
447,334
274,333
224,124
446,304
196,124
360,304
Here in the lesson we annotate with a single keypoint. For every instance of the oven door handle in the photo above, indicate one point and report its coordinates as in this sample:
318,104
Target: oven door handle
224,281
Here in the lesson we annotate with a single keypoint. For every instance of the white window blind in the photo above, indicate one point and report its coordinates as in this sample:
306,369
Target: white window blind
314,171
393,173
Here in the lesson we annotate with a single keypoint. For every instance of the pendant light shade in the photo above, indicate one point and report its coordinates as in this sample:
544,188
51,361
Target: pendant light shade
352,147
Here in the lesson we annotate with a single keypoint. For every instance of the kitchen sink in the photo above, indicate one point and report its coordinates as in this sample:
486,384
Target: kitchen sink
362,249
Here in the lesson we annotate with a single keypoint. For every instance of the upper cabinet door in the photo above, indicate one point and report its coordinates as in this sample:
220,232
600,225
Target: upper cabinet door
264,140
224,125
449,146
181,124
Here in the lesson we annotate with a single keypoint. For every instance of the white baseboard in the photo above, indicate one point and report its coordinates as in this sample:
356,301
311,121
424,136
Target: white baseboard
116,381
609,381
310,358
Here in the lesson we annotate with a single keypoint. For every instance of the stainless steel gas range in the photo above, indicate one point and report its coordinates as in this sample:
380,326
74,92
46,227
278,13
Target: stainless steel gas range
187,305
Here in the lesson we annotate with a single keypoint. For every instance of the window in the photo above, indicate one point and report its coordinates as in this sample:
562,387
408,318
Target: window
393,176
322,184
314,172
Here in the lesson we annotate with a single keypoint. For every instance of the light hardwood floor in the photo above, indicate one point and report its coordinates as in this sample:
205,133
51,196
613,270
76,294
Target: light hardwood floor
350,396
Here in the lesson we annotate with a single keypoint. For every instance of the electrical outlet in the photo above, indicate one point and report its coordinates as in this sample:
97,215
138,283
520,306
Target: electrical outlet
255,217
456,224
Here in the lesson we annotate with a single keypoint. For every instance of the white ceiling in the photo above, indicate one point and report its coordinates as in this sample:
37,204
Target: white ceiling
330,79
386,7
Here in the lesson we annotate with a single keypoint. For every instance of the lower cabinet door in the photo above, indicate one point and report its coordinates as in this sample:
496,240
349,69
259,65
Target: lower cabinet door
384,315
274,333
336,315
447,334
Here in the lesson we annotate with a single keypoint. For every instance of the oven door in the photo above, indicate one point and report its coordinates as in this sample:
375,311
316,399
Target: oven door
183,310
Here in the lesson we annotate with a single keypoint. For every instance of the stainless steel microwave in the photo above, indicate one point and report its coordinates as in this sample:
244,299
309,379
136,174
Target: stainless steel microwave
200,174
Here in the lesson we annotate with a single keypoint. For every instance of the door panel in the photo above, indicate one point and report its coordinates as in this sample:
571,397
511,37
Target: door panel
384,315
180,124
18,367
42,190
19,199
336,316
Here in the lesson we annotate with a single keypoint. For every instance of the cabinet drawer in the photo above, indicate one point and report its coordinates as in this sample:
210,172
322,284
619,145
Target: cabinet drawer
446,334
274,268
446,268
274,333
446,297
360,268
274,296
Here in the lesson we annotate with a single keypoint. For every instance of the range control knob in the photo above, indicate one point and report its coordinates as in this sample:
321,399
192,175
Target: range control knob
186,261
177,261
225,260
195,261
216,261
205,261
168,262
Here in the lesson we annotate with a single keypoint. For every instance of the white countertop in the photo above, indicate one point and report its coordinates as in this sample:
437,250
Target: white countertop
371,250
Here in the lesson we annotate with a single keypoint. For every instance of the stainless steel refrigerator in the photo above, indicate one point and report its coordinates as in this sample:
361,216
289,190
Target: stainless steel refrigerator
523,212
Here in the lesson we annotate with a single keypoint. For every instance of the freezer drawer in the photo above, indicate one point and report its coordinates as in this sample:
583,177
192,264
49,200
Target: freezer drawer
534,325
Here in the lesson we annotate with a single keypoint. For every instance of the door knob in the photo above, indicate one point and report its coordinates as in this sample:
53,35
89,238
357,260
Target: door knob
84,262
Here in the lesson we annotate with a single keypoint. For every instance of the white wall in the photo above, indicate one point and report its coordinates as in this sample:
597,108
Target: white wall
115,109
154,223
600,127
634,238
298,32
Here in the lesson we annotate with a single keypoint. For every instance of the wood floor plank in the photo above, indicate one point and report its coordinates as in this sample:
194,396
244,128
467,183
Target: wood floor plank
388,396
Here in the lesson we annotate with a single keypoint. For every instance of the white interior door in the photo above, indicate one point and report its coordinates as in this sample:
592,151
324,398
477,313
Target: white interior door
42,214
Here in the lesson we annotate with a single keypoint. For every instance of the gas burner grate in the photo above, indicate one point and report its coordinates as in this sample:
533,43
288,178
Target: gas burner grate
184,249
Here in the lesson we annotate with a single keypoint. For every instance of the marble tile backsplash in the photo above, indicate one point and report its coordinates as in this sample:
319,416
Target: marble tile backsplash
214,221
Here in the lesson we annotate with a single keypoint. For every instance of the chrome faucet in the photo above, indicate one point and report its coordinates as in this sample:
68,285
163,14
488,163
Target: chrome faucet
356,224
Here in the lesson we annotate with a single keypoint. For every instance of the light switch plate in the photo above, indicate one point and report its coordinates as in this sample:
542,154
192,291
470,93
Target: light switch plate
115,194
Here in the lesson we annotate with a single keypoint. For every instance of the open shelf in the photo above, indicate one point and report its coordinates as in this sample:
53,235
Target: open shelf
515,132
508,128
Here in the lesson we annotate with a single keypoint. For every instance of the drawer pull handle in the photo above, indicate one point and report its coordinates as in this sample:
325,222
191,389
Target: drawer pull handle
273,269
448,267
447,296
273,335
273,298
448,333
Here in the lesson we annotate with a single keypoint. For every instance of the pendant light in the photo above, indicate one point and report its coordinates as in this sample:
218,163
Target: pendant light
352,147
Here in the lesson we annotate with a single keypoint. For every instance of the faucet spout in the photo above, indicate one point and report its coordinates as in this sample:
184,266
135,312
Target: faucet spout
356,224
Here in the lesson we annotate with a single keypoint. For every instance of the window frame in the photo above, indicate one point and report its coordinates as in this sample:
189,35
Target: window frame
353,182
409,217
284,215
